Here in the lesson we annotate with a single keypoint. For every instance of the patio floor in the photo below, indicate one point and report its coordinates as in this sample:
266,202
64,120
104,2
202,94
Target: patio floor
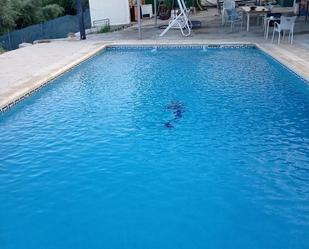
212,29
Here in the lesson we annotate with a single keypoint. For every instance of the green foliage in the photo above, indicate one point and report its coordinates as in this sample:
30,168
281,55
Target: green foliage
28,12
104,29
2,50
68,5
7,16
21,13
51,11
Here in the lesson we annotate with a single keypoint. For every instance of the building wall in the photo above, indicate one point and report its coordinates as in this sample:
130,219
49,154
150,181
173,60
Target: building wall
116,10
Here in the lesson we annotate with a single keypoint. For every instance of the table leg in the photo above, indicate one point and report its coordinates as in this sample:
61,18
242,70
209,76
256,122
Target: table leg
307,9
268,22
248,22
266,29
219,7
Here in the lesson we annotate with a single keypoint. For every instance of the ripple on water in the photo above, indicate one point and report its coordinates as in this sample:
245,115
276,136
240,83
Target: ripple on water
159,149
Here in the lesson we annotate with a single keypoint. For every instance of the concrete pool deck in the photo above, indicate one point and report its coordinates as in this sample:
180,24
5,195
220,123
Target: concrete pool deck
26,69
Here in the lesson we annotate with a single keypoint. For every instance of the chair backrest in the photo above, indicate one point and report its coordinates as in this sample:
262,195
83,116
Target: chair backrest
287,22
228,4
232,14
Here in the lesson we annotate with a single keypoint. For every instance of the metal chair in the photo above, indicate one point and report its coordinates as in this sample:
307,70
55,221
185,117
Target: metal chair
227,4
232,17
180,21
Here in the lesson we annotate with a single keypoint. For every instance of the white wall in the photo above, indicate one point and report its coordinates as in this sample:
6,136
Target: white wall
117,11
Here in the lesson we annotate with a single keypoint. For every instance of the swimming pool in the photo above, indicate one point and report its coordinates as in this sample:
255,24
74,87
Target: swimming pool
159,148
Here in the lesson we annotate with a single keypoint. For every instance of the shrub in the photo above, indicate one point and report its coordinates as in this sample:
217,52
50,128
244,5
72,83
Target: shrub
104,29
2,50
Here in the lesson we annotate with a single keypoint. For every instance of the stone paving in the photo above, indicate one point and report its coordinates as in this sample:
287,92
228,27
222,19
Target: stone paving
26,69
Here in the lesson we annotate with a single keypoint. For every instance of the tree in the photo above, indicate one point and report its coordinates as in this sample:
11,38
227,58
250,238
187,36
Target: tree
68,5
21,13
51,11
7,16
28,12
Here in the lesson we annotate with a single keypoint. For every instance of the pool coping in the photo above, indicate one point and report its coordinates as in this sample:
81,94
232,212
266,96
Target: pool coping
289,66
36,83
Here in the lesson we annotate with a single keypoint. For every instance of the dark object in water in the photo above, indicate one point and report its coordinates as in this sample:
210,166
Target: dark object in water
175,106
177,109
168,125
178,114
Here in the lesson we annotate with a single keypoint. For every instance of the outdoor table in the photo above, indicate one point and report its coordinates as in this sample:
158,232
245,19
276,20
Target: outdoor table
282,10
259,10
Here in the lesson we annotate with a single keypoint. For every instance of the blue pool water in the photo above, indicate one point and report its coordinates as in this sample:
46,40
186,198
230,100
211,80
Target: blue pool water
159,149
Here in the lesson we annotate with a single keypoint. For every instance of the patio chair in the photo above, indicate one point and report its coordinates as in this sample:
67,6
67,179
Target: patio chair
269,20
232,17
286,24
227,4
180,20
